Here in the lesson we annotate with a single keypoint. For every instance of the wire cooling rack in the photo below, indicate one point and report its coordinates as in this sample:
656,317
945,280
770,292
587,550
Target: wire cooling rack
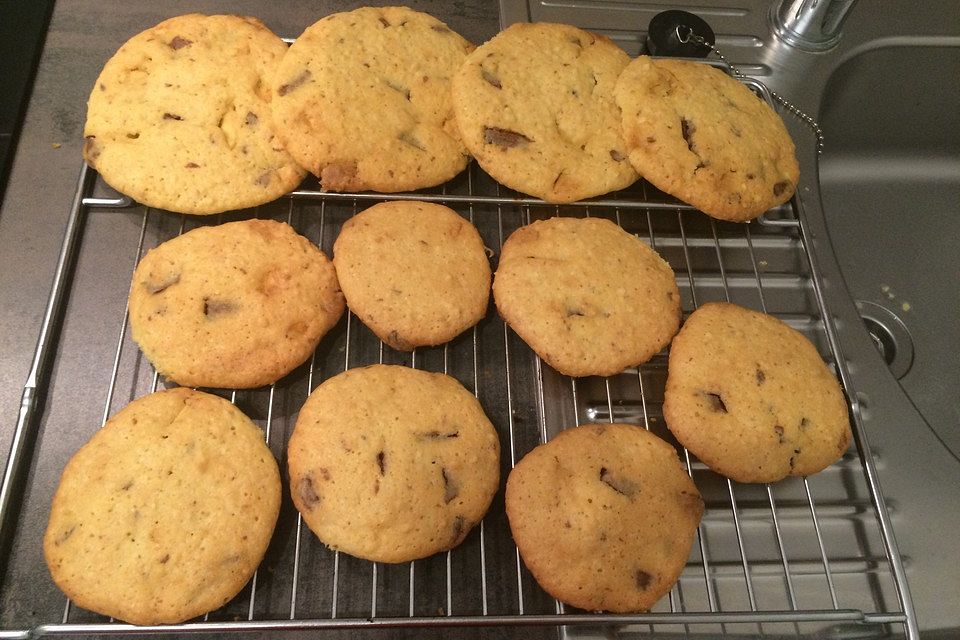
802,557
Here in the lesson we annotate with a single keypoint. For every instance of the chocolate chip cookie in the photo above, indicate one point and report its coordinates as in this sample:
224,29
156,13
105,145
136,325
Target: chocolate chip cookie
536,109
416,273
392,464
363,100
752,398
588,297
604,516
237,305
180,117
166,512
704,137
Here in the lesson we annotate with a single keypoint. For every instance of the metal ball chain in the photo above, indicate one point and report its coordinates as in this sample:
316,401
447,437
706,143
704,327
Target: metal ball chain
689,36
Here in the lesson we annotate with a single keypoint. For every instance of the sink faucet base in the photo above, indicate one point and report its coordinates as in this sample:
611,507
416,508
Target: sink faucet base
811,25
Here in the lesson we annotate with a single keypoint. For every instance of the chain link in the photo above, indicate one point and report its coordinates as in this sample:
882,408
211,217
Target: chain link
789,106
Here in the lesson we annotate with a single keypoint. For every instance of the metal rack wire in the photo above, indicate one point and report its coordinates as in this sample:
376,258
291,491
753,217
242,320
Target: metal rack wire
795,558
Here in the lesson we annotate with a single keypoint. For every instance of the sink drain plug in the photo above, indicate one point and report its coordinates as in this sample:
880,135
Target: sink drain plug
890,336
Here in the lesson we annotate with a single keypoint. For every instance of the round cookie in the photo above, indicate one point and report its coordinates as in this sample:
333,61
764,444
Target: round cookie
363,100
237,305
180,117
166,512
535,107
604,516
751,397
702,136
416,273
392,464
588,297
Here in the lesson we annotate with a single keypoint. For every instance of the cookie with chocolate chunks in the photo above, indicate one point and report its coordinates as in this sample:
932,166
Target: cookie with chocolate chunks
416,273
588,297
166,512
704,137
237,305
392,464
535,107
752,398
180,119
604,516
363,100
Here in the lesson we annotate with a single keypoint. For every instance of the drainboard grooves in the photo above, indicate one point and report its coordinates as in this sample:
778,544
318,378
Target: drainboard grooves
789,509
809,567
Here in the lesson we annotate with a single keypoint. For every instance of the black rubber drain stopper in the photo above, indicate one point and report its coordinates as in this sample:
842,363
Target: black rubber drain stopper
668,29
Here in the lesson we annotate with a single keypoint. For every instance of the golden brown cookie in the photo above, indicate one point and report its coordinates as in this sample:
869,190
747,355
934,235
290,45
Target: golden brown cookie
536,109
180,117
166,512
752,398
237,305
392,464
604,516
702,136
588,297
363,100
416,273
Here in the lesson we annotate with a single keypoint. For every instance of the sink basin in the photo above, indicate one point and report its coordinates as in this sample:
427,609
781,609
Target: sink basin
890,188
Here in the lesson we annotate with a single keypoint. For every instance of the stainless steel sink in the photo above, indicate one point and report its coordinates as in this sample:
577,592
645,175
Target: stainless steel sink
890,186
880,214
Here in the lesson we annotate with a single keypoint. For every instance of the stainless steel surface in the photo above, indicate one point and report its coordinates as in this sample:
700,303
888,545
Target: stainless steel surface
892,204
813,25
762,562
886,98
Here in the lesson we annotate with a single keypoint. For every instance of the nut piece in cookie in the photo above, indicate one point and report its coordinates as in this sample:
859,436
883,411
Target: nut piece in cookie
237,305
604,516
363,100
166,512
752,398
416,273
535,107
588,297
179,118
392,464
704,137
